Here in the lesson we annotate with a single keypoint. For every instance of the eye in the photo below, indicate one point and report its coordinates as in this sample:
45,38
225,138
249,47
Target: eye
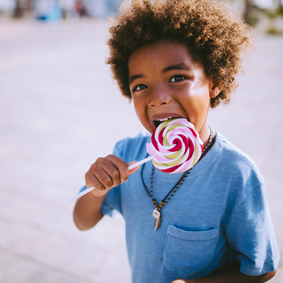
139,88
177,78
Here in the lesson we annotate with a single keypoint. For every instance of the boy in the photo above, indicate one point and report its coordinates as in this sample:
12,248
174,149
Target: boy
177,59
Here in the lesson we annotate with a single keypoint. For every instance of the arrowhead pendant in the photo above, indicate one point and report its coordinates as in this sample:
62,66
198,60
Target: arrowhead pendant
157,216
157,223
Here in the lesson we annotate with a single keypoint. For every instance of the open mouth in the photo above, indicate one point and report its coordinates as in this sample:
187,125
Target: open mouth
157,122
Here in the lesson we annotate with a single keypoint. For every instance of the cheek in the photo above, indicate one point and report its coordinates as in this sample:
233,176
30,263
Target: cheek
139,109
200,100
137,106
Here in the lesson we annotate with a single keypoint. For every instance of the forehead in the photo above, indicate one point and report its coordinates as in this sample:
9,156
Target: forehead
161,54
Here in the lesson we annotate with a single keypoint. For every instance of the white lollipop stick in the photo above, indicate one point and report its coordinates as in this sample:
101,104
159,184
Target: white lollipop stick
140,162
84,192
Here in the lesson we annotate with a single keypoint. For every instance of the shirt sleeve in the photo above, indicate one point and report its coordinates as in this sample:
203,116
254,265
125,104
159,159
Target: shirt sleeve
251,234
112,201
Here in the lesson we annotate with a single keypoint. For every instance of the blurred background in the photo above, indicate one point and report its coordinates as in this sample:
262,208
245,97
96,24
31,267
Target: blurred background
60,110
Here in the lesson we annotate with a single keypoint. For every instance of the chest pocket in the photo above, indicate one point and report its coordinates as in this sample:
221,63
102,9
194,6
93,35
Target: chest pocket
189,252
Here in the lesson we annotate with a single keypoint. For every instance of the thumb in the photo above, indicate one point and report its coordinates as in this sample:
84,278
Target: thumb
134,169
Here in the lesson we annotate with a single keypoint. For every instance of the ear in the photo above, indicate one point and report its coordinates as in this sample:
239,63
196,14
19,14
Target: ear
214,88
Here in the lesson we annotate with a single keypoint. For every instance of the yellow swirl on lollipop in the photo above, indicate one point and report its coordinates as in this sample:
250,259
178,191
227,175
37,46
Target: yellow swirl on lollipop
175,146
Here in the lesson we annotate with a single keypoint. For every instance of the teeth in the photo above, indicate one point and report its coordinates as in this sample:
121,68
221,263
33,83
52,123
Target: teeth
162,120
157,122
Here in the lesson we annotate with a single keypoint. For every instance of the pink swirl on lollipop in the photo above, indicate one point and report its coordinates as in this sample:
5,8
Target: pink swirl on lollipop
175,146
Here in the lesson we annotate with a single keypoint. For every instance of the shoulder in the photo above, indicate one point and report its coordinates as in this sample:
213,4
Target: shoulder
237,174
132,147
236,162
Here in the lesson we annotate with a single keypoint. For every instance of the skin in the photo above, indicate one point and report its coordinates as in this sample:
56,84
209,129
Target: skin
165,82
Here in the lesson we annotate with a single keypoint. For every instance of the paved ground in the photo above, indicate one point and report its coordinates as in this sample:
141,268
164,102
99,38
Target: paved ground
59,110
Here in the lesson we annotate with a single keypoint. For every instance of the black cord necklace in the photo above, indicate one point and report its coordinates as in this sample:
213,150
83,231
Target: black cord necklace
157,211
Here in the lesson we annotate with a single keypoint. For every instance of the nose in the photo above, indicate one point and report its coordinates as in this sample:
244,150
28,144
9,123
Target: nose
159,96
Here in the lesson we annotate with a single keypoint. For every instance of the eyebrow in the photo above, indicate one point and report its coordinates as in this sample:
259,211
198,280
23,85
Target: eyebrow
180,66
134,77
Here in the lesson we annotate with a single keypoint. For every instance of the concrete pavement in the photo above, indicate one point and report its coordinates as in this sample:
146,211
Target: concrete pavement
60,110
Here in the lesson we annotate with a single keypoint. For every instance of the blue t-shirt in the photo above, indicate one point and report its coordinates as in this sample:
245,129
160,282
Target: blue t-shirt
219,215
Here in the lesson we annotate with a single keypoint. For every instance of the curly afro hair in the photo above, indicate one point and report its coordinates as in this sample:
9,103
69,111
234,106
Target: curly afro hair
212,34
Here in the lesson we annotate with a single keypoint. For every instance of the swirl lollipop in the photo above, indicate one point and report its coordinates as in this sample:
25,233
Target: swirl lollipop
175,146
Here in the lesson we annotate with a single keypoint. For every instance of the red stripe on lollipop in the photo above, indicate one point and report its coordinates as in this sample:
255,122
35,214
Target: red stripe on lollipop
171,169
161,137
154,143
179,144
191,149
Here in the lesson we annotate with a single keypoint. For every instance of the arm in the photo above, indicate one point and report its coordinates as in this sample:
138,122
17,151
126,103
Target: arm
231,274
104,175
87,212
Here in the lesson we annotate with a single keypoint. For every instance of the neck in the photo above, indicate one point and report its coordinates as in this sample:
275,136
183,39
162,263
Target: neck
204,135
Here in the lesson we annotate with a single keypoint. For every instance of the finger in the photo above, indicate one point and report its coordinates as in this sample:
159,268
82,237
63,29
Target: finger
121,166
108,166
99,189
134,169
92,181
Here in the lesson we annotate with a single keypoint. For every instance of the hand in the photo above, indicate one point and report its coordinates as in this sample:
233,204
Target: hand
106,173
183,281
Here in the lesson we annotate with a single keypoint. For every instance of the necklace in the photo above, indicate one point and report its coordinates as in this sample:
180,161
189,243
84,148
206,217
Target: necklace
157,211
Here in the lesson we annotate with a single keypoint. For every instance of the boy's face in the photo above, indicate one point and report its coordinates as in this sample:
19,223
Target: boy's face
166,82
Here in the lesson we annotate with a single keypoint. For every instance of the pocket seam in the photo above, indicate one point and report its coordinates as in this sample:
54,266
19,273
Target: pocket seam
173,271
206,240
174,232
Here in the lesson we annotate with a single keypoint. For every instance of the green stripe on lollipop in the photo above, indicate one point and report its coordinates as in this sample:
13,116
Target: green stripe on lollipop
170,128
163,125
174,155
